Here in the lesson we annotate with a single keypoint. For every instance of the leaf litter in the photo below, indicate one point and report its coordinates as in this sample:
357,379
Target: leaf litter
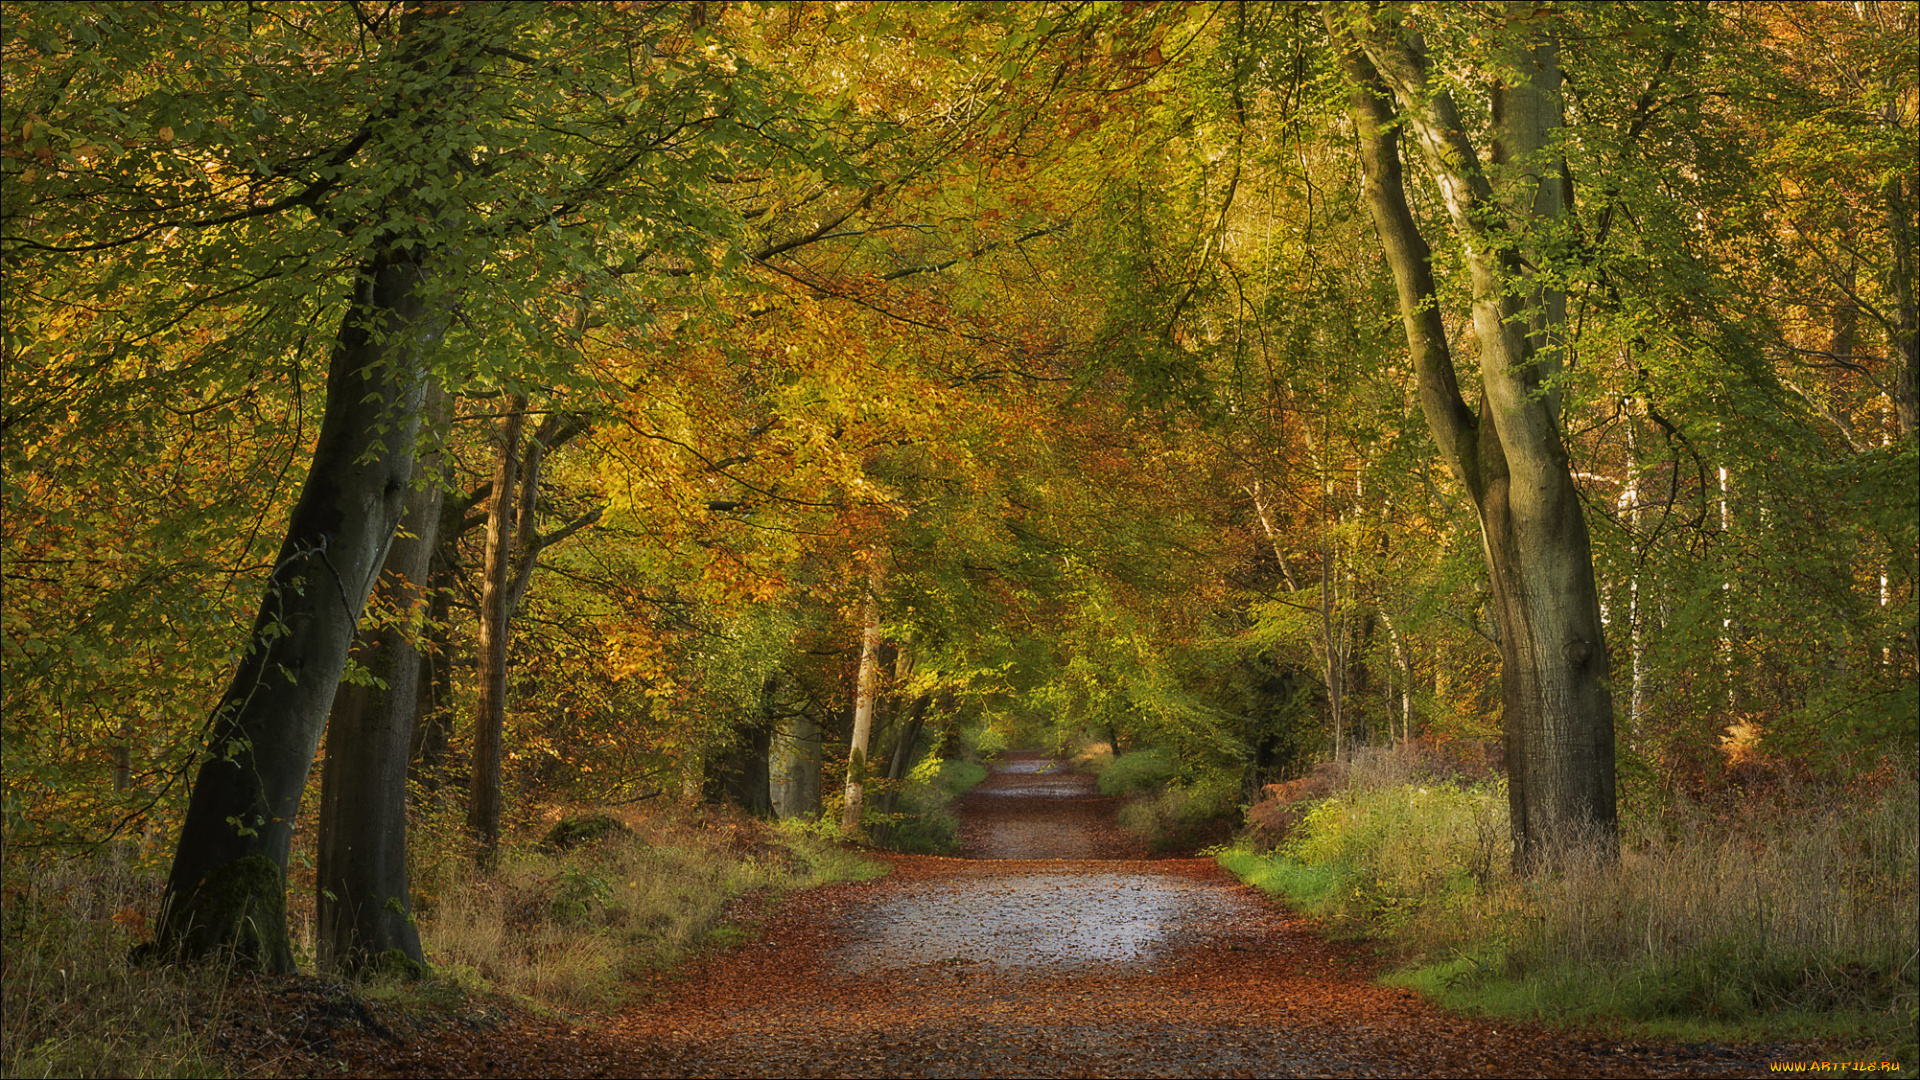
1051,947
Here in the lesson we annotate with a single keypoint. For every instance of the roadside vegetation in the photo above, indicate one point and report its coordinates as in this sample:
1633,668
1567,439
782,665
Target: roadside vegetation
1778,912
923,821
571,919
1170,806
573,924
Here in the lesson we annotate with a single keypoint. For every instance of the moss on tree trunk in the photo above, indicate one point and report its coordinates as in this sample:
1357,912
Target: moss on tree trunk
241,905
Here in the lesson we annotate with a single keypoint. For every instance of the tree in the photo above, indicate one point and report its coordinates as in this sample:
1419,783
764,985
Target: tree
386,168
867,687
227,882
513,548
363,905
1506,207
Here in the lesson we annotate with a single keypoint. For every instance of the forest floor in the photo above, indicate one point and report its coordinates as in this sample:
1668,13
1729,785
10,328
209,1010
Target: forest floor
1050,947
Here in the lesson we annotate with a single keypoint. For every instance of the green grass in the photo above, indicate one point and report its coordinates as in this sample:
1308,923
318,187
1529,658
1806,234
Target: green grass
1782,921
1313,889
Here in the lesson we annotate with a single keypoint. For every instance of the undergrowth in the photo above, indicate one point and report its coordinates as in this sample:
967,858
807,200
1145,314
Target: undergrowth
555,927
1167,807
72,1001
1789,916
571,927
1185,815
925,822
1138,773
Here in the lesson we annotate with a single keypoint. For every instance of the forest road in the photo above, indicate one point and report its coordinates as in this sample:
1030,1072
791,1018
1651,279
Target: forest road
1053,947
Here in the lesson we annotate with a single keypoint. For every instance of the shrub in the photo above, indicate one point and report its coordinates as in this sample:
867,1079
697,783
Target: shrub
1184,815
1139,772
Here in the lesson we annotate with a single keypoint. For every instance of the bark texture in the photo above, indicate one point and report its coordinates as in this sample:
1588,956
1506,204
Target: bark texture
268,724
1510,458
1903,330
364,903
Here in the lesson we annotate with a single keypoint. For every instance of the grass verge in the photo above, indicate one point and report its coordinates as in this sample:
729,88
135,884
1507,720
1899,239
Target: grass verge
548,930
572,928
1787,918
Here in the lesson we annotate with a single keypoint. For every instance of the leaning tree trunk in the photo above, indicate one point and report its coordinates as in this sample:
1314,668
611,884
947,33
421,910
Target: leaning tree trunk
228,882
227,885
364,904
1554,673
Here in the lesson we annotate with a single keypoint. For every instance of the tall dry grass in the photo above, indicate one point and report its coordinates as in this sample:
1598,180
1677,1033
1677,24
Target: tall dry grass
572,927
566,928
1783,909
1803,906
73,1002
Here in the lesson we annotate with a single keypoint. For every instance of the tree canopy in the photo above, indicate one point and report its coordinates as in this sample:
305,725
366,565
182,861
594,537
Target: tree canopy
1245,381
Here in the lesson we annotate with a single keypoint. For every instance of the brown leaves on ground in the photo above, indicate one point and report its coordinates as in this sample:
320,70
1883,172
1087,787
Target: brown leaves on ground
1246,989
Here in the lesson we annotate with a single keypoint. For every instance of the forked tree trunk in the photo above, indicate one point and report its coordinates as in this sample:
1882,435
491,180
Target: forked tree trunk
512,552
227,885
1554,673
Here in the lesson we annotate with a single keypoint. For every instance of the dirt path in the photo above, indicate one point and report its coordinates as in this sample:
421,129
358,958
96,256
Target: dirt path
1052,948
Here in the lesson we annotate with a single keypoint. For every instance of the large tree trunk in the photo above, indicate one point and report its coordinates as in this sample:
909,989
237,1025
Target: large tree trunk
227,885
363,902
1558,705
228,882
